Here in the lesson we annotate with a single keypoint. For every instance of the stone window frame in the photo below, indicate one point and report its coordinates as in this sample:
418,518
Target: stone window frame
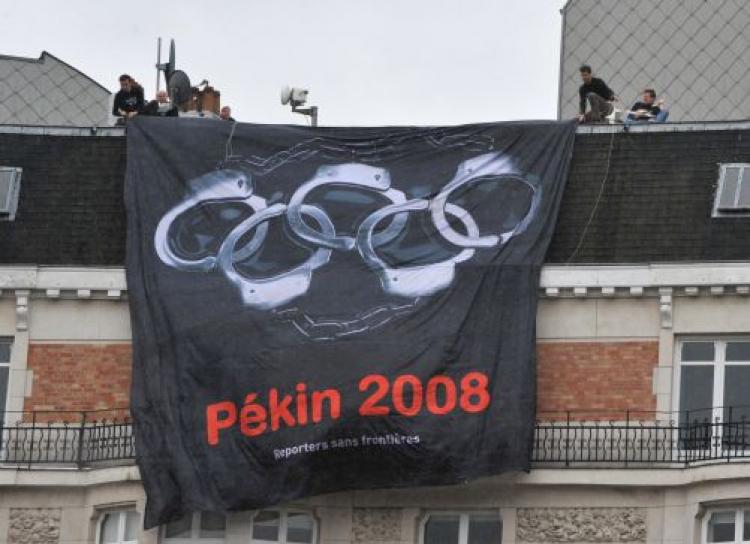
463,528
738,510
195,525
283,518
718,363
122,512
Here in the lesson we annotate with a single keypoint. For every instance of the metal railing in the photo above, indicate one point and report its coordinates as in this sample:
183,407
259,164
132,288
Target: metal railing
631,439
561,439
82,439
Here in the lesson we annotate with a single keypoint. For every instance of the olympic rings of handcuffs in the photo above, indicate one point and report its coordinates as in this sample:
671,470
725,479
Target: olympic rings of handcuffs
412,281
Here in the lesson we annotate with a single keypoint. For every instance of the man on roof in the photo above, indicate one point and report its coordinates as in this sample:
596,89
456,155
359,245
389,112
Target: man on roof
597,95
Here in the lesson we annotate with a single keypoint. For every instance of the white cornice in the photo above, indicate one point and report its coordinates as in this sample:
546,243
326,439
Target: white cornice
657,280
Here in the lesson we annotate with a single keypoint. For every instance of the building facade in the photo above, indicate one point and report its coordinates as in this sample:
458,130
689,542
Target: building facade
692,52
643,360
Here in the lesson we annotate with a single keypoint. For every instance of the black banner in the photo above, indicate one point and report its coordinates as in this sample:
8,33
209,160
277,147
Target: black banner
337,308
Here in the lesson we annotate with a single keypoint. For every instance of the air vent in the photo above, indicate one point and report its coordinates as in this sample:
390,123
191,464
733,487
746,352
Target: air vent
733,192
10,187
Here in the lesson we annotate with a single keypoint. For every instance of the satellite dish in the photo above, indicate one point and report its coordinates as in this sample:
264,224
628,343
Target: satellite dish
178,87
286,95
170,67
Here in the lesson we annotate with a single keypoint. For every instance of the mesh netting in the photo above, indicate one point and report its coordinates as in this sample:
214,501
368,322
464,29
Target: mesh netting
694,53
48,92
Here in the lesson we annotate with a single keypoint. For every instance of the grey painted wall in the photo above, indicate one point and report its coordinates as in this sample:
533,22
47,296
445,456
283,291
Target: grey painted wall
694,52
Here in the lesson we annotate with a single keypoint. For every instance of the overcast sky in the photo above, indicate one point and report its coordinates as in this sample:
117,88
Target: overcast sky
366,62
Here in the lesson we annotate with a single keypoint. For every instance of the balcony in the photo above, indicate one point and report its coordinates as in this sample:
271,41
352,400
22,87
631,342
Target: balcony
100,439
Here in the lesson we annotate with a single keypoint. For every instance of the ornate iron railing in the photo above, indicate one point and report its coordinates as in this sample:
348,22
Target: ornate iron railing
82,439
636,439
561,439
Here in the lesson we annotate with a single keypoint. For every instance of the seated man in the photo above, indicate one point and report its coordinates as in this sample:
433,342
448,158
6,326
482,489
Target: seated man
648,109
161,107
597,94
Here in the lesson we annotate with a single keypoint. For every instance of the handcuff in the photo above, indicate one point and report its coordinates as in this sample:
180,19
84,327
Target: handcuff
351,175
274,291
217,186
493,166
412,281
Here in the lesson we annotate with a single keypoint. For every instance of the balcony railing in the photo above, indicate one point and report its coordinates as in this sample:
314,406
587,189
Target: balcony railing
561,439
81,439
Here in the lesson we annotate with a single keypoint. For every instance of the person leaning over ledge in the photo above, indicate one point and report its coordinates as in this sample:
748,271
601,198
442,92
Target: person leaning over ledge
128,100
597,94
160,107
647,110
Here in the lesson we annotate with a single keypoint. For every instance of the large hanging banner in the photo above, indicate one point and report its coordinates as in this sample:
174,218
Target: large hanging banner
322,309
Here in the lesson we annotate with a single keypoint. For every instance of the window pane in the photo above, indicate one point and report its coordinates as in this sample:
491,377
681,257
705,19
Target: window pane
721,527
132,522
213,525
746,526
696,393
441,529
485,529
299,528
179,528
698,351
266,526
696,401
110,525
729,188
736,387
4,372
744,199
738,351
4,352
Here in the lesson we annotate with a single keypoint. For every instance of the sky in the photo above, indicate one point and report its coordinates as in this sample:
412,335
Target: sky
365,62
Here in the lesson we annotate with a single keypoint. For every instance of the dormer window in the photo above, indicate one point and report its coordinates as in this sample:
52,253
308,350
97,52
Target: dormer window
10,186
733,192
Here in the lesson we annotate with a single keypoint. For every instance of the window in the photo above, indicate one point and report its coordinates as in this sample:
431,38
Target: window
120,527
284,527
733,192
204,527
5,345
714,377
10,187
462,528
727,525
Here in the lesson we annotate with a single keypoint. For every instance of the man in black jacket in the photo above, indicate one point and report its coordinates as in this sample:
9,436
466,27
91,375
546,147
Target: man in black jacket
597,94
128,100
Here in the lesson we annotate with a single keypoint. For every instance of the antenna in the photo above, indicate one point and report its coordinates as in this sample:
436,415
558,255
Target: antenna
297,96
178,82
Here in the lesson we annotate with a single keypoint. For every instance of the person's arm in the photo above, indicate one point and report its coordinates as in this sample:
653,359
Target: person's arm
116,106
610,94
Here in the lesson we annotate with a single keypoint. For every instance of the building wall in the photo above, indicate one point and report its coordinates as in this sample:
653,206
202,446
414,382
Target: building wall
692,52
647,507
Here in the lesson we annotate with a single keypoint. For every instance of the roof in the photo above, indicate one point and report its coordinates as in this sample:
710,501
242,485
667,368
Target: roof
646,196
47,91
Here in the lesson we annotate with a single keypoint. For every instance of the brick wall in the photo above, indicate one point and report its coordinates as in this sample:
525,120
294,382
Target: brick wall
79,376
595,380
